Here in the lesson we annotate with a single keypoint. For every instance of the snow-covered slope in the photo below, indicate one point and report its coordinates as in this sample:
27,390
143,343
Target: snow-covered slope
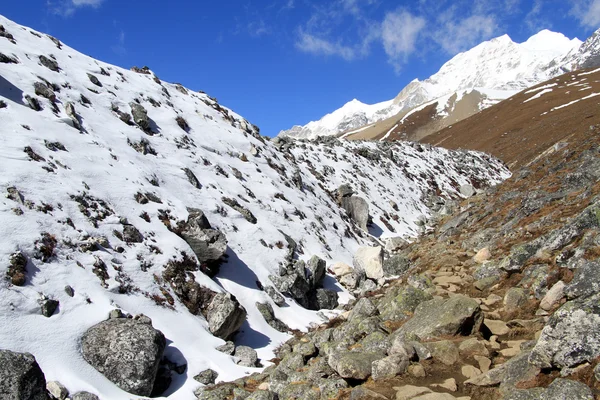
65,186
498,64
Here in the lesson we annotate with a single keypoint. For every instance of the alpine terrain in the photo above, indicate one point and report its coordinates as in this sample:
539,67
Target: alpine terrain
155,245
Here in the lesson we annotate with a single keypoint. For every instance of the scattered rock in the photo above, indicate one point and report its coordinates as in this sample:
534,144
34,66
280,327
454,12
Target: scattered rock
49,307
17,270
57,390
84,396
482,255
390,366
553,296
358,209
94,80
140,116
353,365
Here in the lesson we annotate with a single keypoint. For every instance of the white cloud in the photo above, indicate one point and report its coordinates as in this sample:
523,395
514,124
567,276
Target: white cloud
315,45
68,7
399,33
587,12
456,36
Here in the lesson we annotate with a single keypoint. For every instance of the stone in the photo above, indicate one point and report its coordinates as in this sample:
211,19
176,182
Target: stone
277,298
370,261
395,265
299,390
21,377
473,347
514,299
247,356
512,372
49,307
49,63
482,255
400,304
126,351
227,348
340,269
553,296
409,392
207,377
484,363
17,270
362,393
57,390
208,244
390,366
262,395
417,371
84,396
132,235
571,336
140,116
322,299
448,384
497,327
395,244
41,89
316,270
94,80
586,280
358,209
268,314
467,191
458,315
364,307
353,365
225,315
469,371
443,351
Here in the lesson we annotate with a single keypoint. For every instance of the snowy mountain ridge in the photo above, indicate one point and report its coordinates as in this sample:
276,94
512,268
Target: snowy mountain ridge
102,169
498,64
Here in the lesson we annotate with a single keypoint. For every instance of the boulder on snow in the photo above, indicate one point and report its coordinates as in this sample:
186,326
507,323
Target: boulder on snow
126,351
268,314
208,244
340,269
225,316
467,191
140,116
370,261
247,356
358,209
21,377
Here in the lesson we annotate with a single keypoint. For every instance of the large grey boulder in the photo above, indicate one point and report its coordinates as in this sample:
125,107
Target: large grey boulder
370,261
21,377
225,316
458,315
247,356
563,389
353,365
571,336
316,270
586,280
208,244
126,351
358,209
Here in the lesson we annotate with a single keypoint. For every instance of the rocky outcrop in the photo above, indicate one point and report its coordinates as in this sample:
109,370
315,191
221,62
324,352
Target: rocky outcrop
225,316
21,377
126,351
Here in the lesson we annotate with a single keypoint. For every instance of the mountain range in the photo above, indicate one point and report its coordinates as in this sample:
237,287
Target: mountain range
471,81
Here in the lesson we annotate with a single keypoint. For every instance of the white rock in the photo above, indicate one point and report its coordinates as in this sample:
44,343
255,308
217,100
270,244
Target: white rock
369,260
341,269
553,296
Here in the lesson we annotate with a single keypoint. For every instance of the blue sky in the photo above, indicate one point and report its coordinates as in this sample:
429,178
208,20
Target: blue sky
286,62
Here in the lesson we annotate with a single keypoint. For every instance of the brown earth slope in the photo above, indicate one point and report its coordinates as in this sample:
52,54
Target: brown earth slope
517,130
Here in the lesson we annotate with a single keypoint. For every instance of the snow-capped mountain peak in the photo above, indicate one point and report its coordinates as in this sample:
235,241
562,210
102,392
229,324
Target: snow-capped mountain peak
499,64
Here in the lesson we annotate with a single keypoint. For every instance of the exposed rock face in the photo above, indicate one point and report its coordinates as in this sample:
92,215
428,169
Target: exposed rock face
225,316
458,315
370,261
570,337
21,377
126,351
